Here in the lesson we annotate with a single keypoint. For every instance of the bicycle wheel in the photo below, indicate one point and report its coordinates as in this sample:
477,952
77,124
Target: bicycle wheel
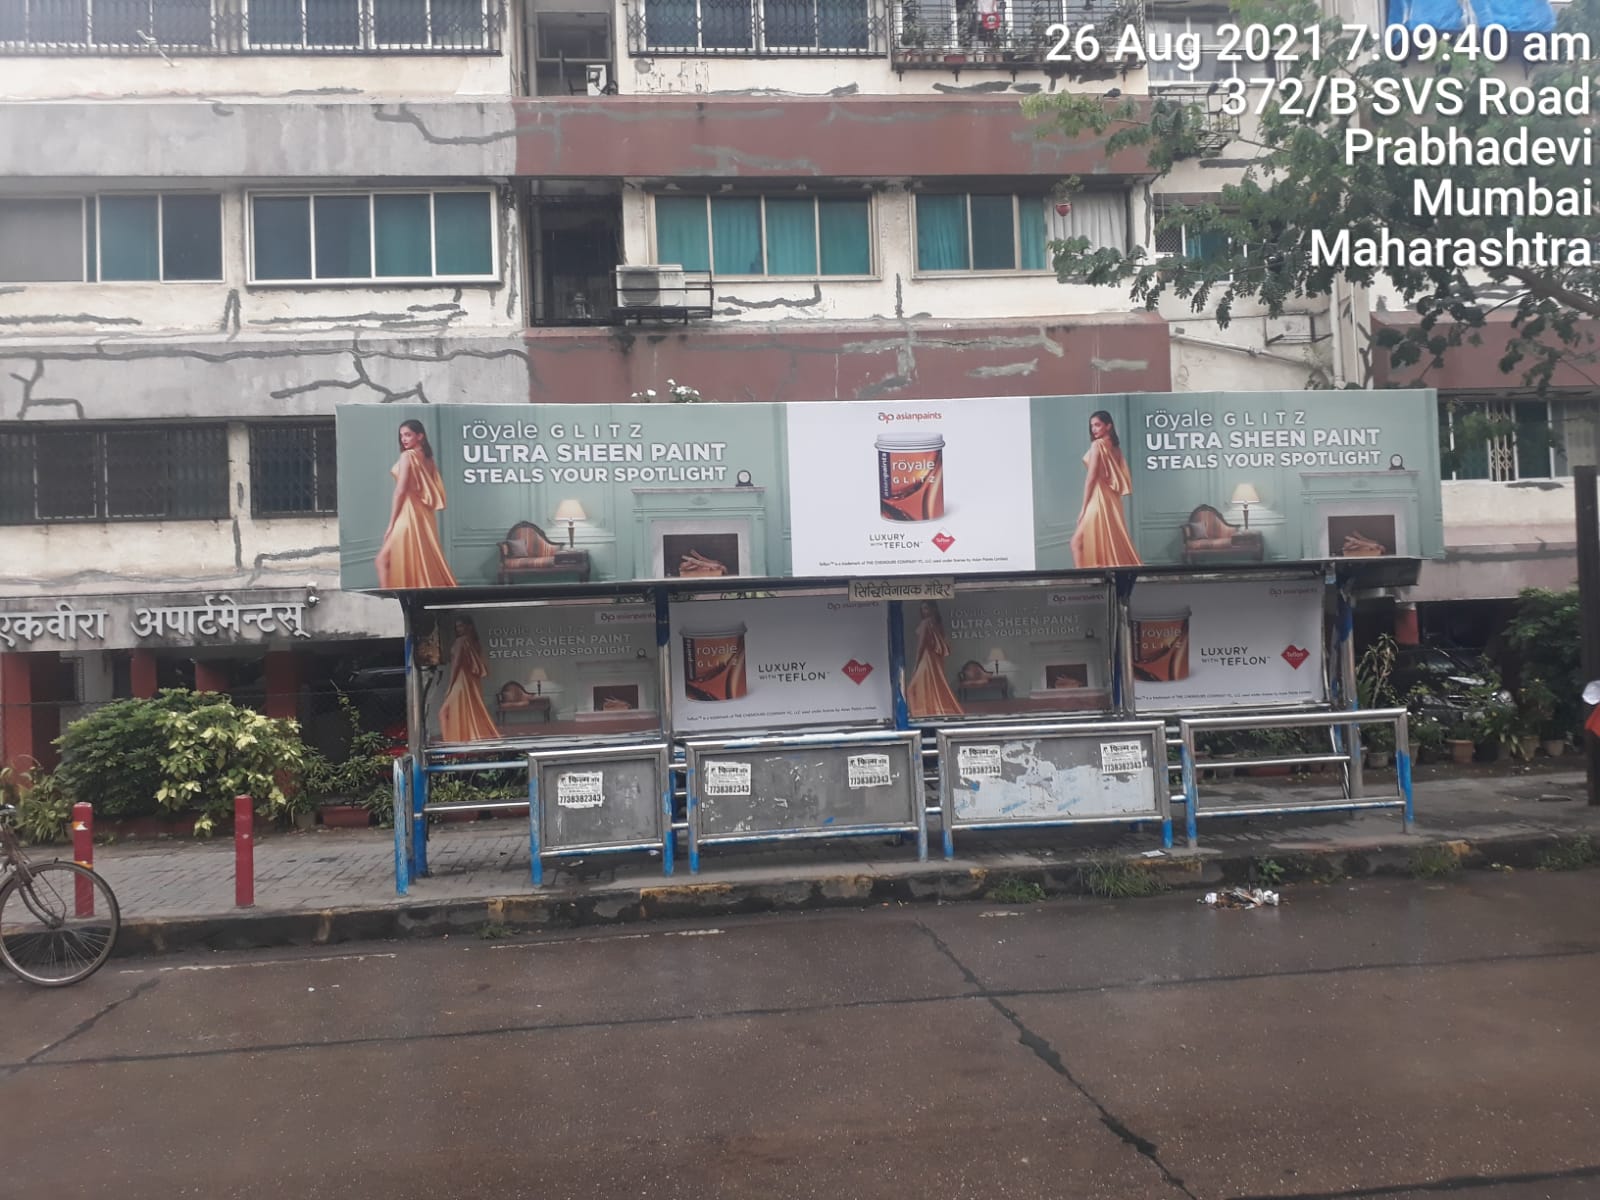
47,935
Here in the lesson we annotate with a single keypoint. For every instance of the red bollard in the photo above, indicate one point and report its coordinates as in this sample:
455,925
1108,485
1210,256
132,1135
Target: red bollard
83,855
244,852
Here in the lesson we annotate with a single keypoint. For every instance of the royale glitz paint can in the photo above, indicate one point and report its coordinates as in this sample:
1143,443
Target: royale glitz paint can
1161,646
713,664
910,476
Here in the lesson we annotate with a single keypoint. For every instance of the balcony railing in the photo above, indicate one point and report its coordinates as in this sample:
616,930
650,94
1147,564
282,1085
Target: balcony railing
1008,34
170,28
756,28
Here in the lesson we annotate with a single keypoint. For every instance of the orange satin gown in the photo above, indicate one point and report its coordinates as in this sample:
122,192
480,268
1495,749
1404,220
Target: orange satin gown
928,693
416,558
463,716
1106,541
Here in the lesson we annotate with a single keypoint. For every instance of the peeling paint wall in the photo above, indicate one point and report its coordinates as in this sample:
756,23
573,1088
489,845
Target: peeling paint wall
251,77
647,74
798,361
237,377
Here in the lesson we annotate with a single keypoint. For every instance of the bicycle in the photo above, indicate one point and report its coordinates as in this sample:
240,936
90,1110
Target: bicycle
58,920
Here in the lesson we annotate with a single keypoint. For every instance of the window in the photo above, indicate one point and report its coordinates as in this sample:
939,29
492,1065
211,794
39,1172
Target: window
765,235
1199,244
1102,217
357,24
1502,441
782,26
348,236
292,469
149,472
1172,73
134,23
980,233
156,236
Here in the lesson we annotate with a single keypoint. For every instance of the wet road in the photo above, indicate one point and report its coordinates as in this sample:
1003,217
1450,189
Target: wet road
1399,1040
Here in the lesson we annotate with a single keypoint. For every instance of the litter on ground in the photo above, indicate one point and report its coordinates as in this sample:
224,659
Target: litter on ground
1241,898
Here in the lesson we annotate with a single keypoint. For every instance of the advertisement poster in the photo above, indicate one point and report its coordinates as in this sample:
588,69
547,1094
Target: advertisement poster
910,488
544,669
1008,650
442,495
1202,479
1211,645
778,661
559,495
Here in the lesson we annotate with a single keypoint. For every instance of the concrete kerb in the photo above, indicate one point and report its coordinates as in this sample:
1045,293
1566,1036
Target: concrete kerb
1179,870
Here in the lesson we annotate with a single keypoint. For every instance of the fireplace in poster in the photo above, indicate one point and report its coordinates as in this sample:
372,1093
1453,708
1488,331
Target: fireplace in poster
684,533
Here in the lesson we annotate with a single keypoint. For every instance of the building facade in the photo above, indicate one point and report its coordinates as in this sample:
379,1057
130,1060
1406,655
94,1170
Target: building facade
220,220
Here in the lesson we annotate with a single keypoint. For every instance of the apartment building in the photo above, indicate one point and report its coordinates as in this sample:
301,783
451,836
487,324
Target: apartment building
221,218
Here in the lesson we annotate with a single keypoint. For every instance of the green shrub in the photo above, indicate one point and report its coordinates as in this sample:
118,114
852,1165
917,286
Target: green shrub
219,750
112,758
44,811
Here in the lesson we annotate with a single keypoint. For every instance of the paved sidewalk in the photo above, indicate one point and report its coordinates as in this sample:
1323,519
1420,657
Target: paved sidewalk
338,885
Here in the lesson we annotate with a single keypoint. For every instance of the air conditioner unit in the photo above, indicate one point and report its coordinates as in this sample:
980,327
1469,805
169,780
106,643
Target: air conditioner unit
650,287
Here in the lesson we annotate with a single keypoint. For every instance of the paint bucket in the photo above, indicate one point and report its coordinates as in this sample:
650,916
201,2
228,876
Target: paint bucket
1161,646
910,476
713,664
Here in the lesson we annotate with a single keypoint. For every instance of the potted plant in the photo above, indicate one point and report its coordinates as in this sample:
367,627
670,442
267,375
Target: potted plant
1379,743
345,791
1462,738
1425,737
1537,703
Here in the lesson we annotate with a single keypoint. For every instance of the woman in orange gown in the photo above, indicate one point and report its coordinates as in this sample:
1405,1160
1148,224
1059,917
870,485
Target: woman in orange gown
928,693
463,716
411,555
1101,538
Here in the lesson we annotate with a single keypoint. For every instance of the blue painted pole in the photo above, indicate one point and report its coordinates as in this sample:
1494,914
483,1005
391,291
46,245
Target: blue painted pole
1190,789
669,840
535,861
419,820
1402,764
897,666
402,826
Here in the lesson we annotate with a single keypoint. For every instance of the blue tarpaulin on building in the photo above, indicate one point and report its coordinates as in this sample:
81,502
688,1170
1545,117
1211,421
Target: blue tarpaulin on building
1450,16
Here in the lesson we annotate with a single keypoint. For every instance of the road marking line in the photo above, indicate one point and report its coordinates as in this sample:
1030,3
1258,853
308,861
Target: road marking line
271,962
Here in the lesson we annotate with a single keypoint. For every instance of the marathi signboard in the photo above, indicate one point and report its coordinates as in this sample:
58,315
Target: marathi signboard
444,495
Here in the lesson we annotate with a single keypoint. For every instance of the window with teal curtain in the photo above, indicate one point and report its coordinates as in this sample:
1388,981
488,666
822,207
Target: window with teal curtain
1031,233
791,237
1205,245
681,235
736,235
342,236
129,245
463,233
942,233
846,236
281,236
401,236
994,233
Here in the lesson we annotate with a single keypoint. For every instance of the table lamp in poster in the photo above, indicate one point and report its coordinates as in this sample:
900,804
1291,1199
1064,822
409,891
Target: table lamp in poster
778,662
1226,644
542,670
912,487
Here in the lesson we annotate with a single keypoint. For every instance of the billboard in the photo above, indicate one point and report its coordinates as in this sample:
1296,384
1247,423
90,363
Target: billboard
469,495
1211,644
1007,651
773,661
